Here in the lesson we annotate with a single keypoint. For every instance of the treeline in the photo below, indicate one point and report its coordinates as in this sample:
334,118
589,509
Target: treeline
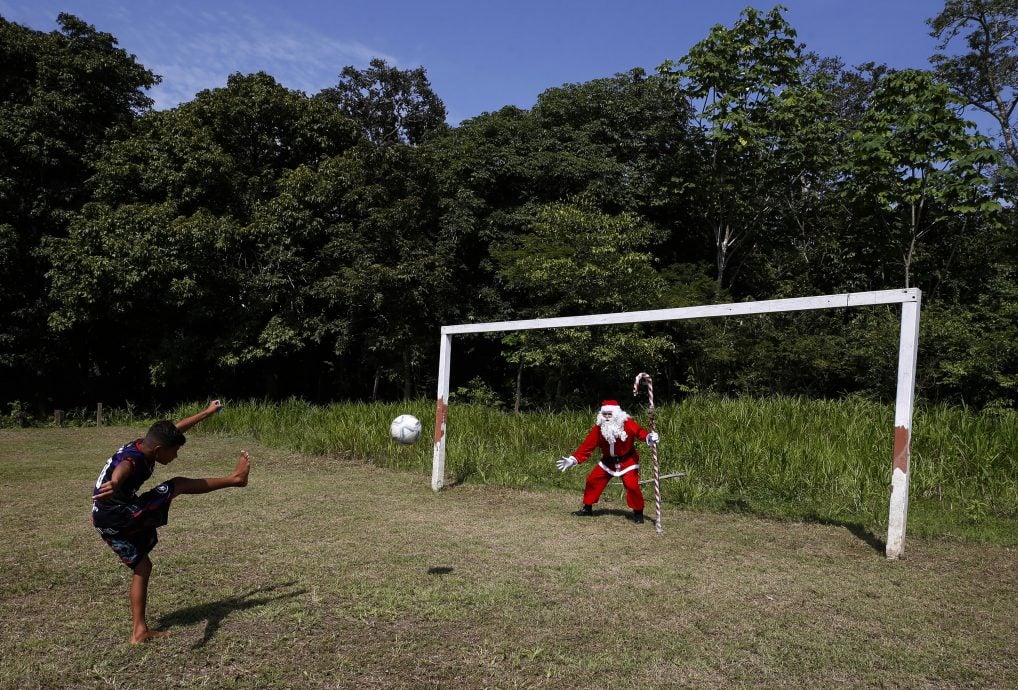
261,242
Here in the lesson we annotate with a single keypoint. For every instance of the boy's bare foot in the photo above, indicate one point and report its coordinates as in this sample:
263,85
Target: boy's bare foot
243,468
145,635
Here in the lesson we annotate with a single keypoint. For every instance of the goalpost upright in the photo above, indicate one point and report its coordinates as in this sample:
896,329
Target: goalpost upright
908,348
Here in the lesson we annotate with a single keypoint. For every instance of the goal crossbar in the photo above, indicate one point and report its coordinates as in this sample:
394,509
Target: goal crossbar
910,300
852,299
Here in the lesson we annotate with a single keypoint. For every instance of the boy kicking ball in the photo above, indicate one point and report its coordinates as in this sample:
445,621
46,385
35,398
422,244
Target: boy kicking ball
128,522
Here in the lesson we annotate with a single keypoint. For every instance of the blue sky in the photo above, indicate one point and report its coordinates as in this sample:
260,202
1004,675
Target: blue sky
480,55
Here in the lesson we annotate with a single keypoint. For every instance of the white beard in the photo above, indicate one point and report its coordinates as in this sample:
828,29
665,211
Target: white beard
612,430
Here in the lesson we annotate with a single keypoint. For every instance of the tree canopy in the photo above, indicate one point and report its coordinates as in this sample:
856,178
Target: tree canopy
258,241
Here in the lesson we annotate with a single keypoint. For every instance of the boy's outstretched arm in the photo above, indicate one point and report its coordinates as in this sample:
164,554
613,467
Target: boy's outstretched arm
185,424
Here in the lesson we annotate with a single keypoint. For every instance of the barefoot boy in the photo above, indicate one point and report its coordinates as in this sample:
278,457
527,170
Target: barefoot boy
128,522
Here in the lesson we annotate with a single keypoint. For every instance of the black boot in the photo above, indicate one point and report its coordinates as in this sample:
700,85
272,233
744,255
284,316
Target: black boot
638,517
585,511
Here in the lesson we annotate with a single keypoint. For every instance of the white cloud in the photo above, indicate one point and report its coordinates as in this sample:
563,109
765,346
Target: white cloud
218,44
195,49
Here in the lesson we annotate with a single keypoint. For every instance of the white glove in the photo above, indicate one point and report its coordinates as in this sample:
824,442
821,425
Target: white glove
565,463
653,438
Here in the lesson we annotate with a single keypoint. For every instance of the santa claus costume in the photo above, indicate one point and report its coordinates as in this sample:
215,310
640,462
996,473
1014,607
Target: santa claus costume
615,433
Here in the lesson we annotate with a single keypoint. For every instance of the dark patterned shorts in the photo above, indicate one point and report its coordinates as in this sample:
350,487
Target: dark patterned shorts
130,528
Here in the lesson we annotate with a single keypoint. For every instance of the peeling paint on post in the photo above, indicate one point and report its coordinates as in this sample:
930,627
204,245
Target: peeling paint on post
441,413
901,448
441,410
908,348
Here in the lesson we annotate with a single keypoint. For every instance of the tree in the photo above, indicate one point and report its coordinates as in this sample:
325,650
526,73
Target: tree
170,246
613,143
267,129
809,131
391,105
577,260
736,77
64,96
608,146
370,268
986,76
915,161
618,141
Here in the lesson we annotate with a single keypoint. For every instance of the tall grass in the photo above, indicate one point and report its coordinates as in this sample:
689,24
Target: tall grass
784,457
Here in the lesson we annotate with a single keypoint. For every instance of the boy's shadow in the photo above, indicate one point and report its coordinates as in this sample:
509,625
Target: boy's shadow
213,613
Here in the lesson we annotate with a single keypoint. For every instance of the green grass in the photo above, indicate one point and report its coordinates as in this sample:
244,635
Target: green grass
789,458
331,572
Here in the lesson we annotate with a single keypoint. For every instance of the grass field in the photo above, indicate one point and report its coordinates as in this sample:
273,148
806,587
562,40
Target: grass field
330,572
793,458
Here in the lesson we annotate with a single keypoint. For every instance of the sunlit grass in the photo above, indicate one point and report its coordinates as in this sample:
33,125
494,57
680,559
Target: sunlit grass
328,572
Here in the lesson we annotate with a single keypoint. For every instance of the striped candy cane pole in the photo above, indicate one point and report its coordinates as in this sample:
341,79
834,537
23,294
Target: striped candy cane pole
642,376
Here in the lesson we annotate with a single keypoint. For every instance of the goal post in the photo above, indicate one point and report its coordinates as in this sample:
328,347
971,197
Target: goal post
908,347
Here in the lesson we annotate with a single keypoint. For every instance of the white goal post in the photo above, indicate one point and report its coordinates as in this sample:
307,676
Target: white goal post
908,348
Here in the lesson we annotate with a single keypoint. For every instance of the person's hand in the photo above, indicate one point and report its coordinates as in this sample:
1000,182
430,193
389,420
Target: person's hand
565,463
653,438
106,489
214,406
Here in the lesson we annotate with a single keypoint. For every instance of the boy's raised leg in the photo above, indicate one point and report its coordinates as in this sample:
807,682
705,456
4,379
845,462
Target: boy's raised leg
184,485
139,595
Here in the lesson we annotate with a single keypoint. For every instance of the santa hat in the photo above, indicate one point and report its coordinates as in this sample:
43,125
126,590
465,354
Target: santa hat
614,430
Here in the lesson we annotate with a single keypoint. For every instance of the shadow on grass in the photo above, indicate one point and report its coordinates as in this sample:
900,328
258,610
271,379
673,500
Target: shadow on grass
609,512
864,534
612,511
214,613
860,531
739,505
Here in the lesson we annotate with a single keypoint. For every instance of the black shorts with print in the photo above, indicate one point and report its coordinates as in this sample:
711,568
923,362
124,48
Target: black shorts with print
129,527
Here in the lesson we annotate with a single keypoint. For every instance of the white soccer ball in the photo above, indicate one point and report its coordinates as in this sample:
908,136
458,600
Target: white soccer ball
405,429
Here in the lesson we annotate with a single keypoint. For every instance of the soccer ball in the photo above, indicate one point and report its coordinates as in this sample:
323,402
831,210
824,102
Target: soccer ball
405,429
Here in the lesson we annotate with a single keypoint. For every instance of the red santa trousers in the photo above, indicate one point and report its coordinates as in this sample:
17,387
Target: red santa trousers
598,479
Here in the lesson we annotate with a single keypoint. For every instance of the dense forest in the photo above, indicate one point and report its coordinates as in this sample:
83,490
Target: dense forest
260,242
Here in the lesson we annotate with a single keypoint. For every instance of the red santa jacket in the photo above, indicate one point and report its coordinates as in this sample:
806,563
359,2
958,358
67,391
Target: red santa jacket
613,452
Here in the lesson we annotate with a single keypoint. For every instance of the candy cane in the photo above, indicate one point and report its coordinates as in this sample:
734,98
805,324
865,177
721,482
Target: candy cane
642,376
